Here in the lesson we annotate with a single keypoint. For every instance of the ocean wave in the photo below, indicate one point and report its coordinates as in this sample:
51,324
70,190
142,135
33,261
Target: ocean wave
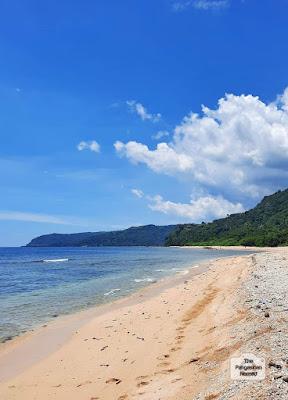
184,272
111,292
145,280
55,260
181,271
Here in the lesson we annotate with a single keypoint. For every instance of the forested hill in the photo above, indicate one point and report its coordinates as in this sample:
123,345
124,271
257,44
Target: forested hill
264,225
149,235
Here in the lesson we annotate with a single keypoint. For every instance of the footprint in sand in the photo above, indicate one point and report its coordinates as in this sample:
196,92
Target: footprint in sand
176,380
176,348
143,383
161,358
165,371
142,377
163,364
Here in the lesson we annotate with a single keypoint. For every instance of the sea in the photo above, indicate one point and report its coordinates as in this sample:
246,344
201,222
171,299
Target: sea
39,284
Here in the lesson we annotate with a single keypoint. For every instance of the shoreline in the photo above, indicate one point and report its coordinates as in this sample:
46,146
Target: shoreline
191,324
94,308
59,330
35,325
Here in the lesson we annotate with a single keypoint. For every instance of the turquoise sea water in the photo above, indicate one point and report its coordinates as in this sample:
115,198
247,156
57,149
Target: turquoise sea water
37,284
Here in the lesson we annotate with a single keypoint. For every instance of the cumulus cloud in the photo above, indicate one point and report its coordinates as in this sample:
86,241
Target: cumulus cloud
91,145
160,135
142,112
239,147
201,4
137,192
202,209
162,159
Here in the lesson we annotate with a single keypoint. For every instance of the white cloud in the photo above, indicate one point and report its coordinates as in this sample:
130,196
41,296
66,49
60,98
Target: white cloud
198,210
32,217
201,4
241,147
164,157
137,192
210,4
91,145
160,135
142,112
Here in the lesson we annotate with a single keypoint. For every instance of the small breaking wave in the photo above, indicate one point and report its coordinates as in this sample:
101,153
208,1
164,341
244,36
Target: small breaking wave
55,260
181,271
185,272
111,292
145,280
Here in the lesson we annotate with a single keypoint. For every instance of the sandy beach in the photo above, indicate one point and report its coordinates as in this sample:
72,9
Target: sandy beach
172,340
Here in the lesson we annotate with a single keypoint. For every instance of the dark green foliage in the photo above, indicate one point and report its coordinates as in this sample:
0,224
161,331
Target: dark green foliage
264,225
149,235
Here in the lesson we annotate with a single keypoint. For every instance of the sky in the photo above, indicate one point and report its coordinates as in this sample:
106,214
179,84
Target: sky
124,113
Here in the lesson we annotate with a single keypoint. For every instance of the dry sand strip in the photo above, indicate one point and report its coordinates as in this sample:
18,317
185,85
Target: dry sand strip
172,341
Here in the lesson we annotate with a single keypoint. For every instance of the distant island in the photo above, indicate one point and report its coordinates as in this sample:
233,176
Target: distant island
148,235
264,225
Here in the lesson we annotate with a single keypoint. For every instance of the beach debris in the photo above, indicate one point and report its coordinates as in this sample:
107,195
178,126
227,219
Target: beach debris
84,383
114,380
266,315
103,348
193,360
273,364
140,338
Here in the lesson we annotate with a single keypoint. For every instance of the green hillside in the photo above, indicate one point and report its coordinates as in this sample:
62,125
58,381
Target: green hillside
264,225
148,235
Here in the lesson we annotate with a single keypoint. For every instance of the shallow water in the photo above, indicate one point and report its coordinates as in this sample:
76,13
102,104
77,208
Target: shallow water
38,284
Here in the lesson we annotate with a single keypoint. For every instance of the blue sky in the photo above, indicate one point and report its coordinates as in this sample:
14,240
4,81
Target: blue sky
96,100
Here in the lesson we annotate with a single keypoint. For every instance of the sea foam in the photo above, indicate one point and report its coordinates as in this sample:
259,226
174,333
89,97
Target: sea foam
111,292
